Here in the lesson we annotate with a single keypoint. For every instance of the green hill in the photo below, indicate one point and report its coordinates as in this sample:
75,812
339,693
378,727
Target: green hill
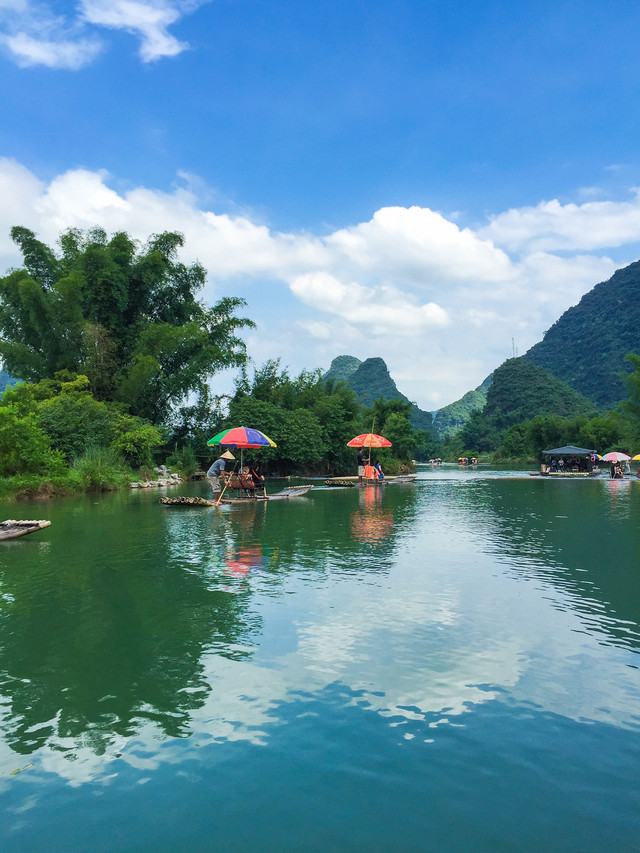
372,381
343,367
586,346
450,419
521,390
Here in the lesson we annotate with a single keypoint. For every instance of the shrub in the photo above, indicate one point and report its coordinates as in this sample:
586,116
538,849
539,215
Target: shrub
24,448
101,469
75,421
184,461
136,440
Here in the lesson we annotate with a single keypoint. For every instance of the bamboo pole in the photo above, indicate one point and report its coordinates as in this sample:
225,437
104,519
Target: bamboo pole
226,483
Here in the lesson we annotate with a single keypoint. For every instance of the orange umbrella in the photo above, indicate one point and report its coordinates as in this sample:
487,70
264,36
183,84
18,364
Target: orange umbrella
369,439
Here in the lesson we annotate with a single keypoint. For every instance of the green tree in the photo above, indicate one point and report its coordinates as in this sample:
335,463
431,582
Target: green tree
125,316
297,433
136,440
605,432
74,421
479,434
515,444
545,432
401,434
310,418
24,447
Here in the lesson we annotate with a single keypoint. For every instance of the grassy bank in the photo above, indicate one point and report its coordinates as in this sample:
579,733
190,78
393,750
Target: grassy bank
97,470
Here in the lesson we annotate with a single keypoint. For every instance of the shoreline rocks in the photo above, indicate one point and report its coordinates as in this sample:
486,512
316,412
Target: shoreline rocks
166,478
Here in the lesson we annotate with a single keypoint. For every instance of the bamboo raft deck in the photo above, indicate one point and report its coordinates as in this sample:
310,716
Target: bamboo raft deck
11,528
567,474
285,494
353,481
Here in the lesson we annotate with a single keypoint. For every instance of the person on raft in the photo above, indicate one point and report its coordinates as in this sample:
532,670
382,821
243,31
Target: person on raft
216,474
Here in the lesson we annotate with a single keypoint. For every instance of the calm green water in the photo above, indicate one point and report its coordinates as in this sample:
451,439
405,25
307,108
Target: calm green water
450,665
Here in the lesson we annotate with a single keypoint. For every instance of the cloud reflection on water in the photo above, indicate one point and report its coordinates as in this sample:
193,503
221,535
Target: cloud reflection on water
476,601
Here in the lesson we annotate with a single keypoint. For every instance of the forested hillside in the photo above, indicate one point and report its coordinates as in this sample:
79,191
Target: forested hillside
587,345
372,381
450,419
519,392
522,390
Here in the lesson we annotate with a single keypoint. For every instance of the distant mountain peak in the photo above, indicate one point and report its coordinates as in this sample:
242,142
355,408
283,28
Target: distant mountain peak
343,367
371,381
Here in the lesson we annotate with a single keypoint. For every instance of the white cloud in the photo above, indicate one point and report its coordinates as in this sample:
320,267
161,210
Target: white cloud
34,36
72,55
381,310
440,303
321,331
419,244
551,226
148,20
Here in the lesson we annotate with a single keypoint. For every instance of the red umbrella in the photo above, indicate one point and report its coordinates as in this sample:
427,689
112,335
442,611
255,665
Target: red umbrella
369,439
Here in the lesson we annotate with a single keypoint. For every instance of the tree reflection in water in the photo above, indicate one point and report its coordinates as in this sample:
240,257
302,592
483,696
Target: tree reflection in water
108,629
108,633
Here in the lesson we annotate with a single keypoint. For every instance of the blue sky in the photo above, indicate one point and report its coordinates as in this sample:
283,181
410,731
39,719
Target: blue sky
418,180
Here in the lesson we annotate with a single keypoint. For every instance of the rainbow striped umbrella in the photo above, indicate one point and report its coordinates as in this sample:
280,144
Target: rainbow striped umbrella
241,437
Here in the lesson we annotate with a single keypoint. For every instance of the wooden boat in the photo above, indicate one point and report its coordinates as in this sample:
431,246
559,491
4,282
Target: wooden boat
11,528
285,494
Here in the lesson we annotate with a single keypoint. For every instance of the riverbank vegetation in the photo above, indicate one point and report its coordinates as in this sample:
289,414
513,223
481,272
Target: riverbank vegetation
503,438
117,357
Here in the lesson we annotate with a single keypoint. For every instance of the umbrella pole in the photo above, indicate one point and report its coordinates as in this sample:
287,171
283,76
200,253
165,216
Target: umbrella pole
373,423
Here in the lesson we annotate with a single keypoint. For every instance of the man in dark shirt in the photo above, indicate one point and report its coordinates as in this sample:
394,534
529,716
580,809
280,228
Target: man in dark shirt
215,474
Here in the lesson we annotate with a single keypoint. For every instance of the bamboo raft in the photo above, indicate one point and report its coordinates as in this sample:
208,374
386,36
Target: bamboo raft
11,528
561,474
353,481
285,494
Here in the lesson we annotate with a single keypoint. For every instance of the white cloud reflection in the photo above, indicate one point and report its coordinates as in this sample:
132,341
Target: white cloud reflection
417,647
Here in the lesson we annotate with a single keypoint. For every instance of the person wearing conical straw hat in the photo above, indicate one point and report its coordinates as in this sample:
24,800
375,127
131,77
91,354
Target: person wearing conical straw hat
216,473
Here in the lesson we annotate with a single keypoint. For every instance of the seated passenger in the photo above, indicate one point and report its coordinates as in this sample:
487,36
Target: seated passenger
258,479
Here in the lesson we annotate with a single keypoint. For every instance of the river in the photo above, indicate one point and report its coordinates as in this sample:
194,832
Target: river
449,665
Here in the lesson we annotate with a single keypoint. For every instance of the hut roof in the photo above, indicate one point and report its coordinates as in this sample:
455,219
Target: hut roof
569,450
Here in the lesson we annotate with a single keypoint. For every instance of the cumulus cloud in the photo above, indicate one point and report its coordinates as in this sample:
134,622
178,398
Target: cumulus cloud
33,35
382,310
417,242
439,302
551,226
